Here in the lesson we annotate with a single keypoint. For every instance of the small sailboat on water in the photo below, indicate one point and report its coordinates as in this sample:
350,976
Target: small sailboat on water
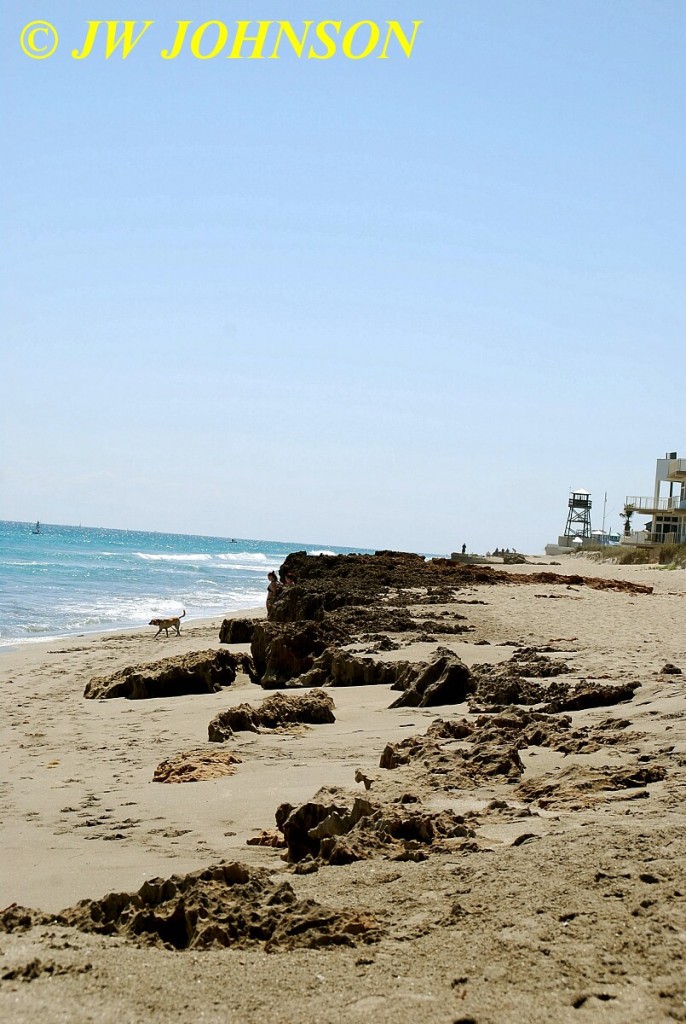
36,528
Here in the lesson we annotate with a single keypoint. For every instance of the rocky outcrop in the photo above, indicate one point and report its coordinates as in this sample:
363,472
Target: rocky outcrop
328,587
580,786
334,833
225,905
463,753
237,631
587,694
297,823
512,682
447,680
670,670
340,668
515,682
201,672
337,599
314,707
282,653
196,766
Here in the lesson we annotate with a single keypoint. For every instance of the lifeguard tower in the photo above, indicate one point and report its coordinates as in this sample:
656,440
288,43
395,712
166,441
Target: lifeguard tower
578,525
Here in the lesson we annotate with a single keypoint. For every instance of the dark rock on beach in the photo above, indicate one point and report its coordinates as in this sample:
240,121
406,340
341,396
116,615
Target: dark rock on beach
341,668
446,680
466,752
313,707
592,695
335,833
282,653
224,905
326,584
237,631
340,599
201,672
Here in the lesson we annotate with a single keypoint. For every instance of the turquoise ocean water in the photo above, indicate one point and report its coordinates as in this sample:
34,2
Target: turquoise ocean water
68,580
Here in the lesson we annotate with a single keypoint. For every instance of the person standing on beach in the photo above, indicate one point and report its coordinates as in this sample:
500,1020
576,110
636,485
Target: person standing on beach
273,589
464,549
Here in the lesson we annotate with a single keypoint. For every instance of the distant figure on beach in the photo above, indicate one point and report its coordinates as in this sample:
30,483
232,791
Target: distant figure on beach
289,580
464,549
273,589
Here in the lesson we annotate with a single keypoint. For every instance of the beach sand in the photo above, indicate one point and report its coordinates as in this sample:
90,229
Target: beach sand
571,908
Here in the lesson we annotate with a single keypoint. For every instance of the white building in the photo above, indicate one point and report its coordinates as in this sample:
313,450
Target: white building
666,506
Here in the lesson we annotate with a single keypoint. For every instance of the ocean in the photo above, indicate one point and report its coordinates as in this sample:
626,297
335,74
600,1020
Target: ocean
69,580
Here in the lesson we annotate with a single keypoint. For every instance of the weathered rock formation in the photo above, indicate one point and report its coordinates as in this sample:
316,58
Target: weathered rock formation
331,832
224,905
587,694
583,786
313,707
196,766
237,631
329,586
466,752
516,682
201,672
670,670
340,668
446,680
337,599
282,653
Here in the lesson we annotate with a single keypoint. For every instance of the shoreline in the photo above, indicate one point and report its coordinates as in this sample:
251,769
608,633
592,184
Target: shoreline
252,611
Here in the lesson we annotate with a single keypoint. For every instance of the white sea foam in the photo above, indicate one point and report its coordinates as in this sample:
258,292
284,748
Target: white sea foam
244,556
173,558
323,552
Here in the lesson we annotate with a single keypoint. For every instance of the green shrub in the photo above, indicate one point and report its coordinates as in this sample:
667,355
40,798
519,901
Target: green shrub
664,554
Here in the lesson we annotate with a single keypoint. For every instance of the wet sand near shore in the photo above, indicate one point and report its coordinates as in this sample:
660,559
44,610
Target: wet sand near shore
566,901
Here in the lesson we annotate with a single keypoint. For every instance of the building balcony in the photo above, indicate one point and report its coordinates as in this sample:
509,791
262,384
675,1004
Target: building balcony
676,469
651,505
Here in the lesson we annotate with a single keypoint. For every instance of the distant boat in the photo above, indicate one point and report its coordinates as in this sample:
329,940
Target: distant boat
36,528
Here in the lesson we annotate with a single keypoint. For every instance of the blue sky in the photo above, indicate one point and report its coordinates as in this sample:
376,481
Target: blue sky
402,303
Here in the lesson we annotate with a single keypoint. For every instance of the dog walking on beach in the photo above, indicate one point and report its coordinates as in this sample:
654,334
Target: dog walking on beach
167,624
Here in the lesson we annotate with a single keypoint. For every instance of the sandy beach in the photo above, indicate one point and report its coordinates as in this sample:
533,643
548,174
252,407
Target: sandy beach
561,895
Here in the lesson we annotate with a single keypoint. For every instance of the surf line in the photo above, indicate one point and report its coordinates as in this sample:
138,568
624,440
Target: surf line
257,40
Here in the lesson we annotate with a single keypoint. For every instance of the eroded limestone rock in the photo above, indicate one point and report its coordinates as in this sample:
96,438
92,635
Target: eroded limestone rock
312,707
237,631
200,672
196,766
282,653
335,833
446,680
224,905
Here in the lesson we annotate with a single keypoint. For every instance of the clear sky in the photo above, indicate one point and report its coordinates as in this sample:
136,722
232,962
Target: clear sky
386,303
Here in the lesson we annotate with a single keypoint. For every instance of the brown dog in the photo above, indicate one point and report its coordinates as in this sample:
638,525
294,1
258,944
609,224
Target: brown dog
167,624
